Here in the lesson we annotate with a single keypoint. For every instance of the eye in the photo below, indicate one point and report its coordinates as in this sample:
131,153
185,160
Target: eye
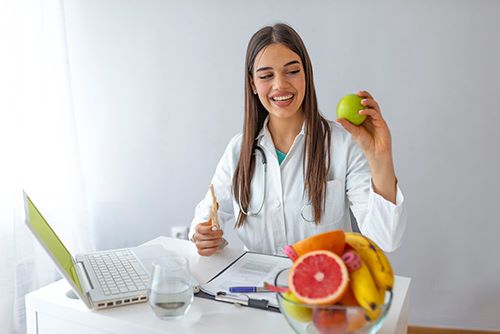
294,72
265,76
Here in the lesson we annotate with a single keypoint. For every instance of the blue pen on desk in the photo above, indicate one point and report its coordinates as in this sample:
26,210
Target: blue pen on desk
247,289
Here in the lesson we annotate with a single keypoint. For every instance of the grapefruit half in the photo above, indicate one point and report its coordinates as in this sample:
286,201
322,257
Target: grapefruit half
318,278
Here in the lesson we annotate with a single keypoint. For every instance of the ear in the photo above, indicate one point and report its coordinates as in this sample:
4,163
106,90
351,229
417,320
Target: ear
252,85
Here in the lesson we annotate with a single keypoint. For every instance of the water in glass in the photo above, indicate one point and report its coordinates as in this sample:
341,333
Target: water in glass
170,291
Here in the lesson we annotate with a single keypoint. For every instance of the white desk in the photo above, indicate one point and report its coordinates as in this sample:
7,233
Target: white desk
49,311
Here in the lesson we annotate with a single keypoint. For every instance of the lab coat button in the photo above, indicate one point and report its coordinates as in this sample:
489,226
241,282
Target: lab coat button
277,204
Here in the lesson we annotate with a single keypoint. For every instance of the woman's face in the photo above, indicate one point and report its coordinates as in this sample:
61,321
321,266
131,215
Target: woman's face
279,79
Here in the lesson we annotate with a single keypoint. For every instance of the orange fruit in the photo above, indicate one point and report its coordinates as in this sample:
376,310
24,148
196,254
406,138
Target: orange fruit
348,299
318,278
330,321
356,319
333,241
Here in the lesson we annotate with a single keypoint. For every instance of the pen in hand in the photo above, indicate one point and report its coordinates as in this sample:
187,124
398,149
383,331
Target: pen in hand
213,210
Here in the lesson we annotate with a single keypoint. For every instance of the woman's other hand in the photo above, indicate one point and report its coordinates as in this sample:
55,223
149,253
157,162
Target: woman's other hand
207,241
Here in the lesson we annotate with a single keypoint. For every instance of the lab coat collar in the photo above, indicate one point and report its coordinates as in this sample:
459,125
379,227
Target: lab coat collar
264,137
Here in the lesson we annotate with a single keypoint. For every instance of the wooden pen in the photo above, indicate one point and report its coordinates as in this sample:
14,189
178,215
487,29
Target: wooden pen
213,210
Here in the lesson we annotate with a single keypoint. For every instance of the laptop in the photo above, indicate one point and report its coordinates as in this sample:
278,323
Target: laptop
101,279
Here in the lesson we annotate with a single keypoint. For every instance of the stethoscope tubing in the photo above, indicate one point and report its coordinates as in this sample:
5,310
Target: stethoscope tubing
264,164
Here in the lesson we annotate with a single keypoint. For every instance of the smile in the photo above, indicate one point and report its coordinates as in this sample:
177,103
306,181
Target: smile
282,98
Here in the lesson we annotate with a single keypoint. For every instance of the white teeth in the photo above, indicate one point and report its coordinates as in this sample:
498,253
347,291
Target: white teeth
282,98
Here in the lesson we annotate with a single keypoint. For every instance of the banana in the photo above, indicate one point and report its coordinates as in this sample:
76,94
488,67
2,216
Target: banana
365,291
374,258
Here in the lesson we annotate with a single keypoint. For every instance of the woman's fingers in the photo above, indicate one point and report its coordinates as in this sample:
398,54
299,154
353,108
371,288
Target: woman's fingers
202,244
371,112
207,248
207,251
370,103
365,94
368,100
207,241
351,128
211,235
207,237
205,231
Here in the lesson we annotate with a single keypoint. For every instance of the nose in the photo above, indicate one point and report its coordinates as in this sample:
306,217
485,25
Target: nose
280,82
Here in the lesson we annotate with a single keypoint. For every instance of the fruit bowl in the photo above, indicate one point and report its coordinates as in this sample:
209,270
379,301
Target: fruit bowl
332,319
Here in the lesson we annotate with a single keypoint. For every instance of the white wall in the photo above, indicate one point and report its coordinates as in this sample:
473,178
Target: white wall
158,93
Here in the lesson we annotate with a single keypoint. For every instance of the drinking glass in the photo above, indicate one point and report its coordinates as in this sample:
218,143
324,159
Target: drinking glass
170,289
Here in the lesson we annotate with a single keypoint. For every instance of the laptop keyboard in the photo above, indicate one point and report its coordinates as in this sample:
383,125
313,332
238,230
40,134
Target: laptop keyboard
116,273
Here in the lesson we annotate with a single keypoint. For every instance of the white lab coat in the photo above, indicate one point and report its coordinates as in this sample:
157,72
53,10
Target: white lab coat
280,221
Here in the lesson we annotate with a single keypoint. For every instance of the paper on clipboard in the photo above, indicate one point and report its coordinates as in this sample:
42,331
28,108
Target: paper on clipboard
251,269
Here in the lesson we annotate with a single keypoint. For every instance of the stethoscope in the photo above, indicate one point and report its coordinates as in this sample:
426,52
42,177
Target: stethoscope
263,197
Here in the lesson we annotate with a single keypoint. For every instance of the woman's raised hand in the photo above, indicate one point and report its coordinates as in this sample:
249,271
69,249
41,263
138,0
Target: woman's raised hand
372,136
374,139
207,241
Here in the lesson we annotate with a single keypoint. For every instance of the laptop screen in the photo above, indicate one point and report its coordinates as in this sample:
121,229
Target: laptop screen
52,243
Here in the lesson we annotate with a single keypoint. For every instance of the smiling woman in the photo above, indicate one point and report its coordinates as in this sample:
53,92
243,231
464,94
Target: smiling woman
311,162
279,72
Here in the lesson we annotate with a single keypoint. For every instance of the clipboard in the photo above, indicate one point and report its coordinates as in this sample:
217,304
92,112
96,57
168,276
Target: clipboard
238,299
246,300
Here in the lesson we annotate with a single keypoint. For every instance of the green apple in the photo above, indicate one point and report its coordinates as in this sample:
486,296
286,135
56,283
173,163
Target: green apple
348,108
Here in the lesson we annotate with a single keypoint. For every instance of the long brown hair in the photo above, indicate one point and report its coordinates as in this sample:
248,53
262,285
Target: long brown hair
317,146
